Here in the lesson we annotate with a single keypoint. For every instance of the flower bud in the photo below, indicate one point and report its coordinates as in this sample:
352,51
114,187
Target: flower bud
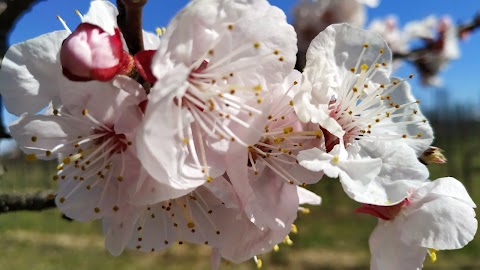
90,53
433,155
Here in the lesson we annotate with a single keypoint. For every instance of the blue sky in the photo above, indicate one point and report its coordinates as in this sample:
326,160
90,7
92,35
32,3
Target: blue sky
460,78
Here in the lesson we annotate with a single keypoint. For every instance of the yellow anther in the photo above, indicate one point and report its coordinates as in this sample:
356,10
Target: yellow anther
259,264
305,211
84,112
335,159
115,208
185,140
31,157
256,45
259,100
287,240
410,76
257,88
277,140
55,112
352,70
62,200
209,179
159,31
66,160
291,102
433,254
276,248
294,229
287,130
97,210
365,45
48,153
55,177
364,67
230,27
382,50
191,225
295,83
120,178
34,138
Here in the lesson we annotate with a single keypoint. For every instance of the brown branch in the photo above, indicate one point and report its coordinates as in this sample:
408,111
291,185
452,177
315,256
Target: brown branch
30,201
469,27
10,12
129,21
430,45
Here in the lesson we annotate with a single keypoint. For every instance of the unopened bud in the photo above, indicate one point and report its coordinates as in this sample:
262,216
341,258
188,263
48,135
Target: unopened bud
433,155
90,53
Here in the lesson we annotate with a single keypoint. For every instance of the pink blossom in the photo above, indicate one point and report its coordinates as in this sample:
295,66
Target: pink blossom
90,53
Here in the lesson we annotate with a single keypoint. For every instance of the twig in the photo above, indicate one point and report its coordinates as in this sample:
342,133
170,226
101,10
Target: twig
30,201
462,30
129,21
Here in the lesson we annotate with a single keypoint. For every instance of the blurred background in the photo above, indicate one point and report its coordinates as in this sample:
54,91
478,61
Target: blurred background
441,51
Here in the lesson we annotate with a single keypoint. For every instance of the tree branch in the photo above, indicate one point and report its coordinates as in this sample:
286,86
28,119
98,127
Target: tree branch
10,12
129,21
462,31
31,201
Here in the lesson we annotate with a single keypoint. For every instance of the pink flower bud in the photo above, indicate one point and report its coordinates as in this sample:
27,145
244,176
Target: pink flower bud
433,155
90,53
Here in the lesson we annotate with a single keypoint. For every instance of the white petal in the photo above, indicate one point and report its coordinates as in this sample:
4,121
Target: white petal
307,197
390,253
448,186
317,160
104,14
29,73
439,223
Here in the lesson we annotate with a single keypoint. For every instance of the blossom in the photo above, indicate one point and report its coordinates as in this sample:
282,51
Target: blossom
31,71
209,215
206,216
265,174
348,93
223,57
91,53
442,49
436,215
98,172
396,39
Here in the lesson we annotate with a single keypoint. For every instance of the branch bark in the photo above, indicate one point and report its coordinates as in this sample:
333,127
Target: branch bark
462,31
10,12
129,21
30,201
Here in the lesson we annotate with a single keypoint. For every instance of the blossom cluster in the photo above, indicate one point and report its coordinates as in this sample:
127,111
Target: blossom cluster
210,135
438,35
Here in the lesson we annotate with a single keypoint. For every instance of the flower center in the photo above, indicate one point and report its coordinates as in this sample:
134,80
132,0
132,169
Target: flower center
364,108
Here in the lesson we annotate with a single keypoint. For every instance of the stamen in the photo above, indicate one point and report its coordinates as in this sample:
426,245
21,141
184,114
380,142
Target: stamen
64,24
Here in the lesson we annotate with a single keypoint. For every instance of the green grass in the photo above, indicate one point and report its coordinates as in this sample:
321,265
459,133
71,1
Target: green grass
331,237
